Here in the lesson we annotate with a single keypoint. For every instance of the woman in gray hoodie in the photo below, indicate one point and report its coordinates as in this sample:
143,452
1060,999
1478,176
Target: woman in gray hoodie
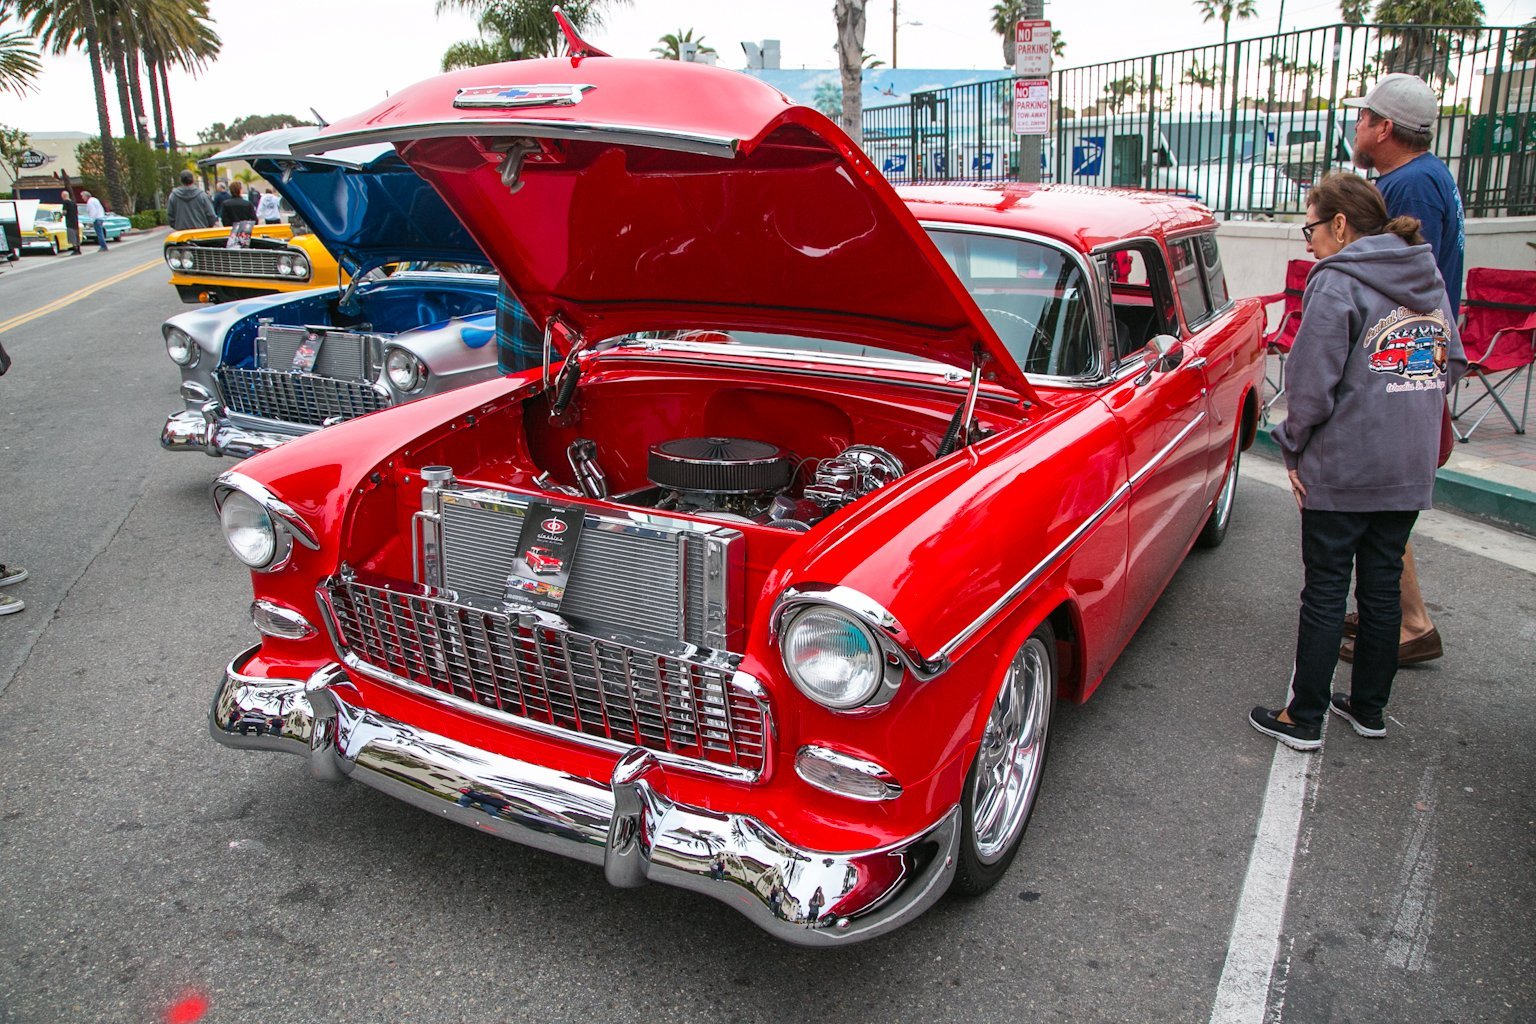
1374,357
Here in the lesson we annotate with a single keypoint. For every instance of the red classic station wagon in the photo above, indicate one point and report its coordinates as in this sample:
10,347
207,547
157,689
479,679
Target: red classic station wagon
866,480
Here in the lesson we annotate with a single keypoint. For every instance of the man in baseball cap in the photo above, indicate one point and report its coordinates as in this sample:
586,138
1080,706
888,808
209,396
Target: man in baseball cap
1392,137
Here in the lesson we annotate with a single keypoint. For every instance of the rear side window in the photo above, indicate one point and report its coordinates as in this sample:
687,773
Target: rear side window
1215,277
1189,281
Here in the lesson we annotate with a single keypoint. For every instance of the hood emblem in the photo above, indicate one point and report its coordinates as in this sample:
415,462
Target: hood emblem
508,96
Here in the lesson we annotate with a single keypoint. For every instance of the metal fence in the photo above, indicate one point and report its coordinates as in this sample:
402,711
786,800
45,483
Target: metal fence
1246,128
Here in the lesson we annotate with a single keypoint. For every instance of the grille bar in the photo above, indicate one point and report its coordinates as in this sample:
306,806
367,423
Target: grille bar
234,262
303,398
527,668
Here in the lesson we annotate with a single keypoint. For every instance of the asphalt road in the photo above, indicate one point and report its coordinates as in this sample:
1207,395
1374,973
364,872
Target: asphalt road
140,861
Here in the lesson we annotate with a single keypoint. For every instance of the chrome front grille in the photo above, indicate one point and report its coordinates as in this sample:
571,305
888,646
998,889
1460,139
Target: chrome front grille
300,398
686,707
642,575
342,353
234,262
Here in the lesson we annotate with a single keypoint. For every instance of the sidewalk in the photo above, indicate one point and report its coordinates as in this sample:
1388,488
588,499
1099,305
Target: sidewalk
1492,477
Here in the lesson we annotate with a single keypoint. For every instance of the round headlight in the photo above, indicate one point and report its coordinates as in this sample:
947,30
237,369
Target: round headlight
173,259
180,346
832,658
403,369
285,265
248,530
300,266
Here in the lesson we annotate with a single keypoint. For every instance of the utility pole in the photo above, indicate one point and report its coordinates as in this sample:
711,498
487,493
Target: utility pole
895,24
1029,145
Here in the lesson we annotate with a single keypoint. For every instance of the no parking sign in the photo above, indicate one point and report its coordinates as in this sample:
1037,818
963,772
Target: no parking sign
1031,106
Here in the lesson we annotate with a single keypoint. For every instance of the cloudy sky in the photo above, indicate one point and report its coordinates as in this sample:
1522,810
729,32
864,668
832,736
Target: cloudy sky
340,56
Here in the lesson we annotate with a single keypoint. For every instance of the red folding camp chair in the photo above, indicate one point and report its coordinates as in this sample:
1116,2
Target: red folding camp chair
1278,341
1498,332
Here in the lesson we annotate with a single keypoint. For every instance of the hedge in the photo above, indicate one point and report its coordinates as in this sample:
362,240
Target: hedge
148,219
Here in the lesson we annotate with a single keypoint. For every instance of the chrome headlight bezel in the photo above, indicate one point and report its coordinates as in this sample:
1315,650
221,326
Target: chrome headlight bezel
285,524
265,546
300,267
414,376
865,662
178,340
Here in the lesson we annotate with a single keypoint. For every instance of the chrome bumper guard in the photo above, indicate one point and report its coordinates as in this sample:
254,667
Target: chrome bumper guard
210,432
628,824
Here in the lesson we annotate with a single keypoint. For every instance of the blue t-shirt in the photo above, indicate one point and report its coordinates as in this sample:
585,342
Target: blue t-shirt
1423,188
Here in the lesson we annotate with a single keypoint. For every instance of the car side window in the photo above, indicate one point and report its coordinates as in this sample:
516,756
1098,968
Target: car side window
1215,277
1141,305
1185,265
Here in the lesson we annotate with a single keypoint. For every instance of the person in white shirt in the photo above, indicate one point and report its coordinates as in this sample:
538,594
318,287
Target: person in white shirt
97,215
269,211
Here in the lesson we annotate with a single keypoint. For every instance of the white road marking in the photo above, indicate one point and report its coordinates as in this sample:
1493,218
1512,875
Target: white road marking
1243,992
1408,942
1469,535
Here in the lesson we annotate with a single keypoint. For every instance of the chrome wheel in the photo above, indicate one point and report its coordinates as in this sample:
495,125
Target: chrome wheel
1012,754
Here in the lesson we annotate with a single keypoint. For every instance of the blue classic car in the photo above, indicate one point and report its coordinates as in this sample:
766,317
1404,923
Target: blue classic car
417,318
114,226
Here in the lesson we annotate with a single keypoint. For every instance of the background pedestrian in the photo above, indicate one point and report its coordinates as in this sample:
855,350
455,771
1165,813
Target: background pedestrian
189,207
237,208
97,215
1365,389
1392,136
270,208
220,197
71,221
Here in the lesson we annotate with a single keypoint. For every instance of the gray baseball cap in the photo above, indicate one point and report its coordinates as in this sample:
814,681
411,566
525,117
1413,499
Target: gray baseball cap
1402,99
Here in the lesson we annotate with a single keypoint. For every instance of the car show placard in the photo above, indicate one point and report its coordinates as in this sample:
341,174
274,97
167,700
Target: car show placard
546,549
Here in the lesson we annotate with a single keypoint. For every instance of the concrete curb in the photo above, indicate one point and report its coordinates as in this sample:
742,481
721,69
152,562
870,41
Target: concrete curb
1505,505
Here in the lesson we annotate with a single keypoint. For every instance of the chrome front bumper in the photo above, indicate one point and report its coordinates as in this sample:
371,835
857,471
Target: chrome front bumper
628,824
210,432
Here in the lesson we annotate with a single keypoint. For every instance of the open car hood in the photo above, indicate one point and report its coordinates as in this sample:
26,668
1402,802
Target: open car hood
624,195
364,202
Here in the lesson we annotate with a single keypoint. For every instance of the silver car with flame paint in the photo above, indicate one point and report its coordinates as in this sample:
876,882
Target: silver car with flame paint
416,319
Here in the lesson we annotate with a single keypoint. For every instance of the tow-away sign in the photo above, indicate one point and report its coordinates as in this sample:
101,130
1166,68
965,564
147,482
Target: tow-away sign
1031,106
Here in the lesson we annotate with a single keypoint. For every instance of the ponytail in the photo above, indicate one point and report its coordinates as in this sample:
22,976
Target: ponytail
1406,228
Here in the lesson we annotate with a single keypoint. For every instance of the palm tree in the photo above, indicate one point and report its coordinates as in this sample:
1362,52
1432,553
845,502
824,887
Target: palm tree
671,45
514,29
1225,11
1525,42
188,42
849,18
1423,49
828,99
18,62
1202,78
1354,11
61,25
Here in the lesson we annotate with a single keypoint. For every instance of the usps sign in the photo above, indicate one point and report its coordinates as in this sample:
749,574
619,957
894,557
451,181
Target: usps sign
1031,106
1032,49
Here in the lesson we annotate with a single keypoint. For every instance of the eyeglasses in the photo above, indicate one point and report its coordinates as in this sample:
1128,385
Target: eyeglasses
1307,229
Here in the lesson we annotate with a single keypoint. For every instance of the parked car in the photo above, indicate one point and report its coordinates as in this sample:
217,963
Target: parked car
260,371
114,226
49,233
868,479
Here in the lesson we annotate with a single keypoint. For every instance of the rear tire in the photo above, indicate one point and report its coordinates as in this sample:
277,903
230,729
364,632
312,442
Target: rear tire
1215,529
1004,780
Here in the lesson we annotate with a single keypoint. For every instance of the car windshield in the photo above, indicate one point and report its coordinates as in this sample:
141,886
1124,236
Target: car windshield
1033,295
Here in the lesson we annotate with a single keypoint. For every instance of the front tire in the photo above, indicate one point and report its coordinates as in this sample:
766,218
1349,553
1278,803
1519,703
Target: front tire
1004,780
1215,529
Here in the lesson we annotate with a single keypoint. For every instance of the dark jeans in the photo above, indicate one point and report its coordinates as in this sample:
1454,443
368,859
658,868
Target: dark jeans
1332,543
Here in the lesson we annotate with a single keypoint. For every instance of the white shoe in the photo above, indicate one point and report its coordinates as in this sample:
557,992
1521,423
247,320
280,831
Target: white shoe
11,574
10,605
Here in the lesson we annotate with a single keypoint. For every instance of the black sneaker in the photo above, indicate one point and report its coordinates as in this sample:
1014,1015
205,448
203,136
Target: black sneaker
1372,726
1297,737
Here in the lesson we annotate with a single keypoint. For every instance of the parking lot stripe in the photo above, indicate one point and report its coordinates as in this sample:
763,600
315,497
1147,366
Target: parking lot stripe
1242,995
76,296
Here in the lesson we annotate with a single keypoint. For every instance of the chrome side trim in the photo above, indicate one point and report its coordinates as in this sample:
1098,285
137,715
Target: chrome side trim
942,658
620,134
1166,450
628,823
